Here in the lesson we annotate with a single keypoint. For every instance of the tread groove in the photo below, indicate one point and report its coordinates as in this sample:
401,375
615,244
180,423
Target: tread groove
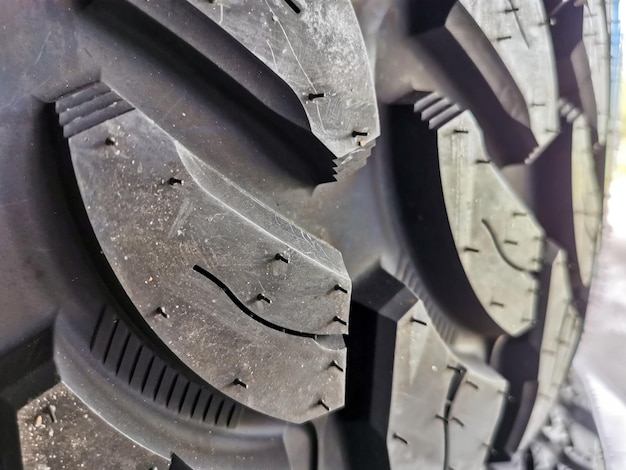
183,396
135,362
159,382
122,353
96,330
147,374
171,390
206,407
195,403
110,340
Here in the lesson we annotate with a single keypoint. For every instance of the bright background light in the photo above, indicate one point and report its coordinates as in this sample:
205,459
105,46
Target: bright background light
601,357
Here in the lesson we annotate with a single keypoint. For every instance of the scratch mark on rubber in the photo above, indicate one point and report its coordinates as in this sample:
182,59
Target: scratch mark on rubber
280,25
273,56
43,48
180,98
519,23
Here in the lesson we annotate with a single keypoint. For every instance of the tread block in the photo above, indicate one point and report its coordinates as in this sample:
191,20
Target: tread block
561,332
474,414
519,31
464,63
499,242
597,44
536,364
586,198
577,198
224,280
319,52
414,408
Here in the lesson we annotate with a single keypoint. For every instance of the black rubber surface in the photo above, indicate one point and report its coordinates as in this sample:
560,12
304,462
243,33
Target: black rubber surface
296,234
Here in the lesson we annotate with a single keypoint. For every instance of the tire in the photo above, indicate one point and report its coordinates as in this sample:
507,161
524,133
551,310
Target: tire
295,234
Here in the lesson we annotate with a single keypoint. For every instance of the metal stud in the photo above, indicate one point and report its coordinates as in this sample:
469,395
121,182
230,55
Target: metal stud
340,288
280,257
323,404
240,382
161,311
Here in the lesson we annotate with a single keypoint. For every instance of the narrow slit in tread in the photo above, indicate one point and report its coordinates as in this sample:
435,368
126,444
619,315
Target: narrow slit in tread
230,415
96,330
159,382
496,243
183,396
195,403
147,374
122,353
110,342
206,407
135,362
218,412
200,270
171,390
294,6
